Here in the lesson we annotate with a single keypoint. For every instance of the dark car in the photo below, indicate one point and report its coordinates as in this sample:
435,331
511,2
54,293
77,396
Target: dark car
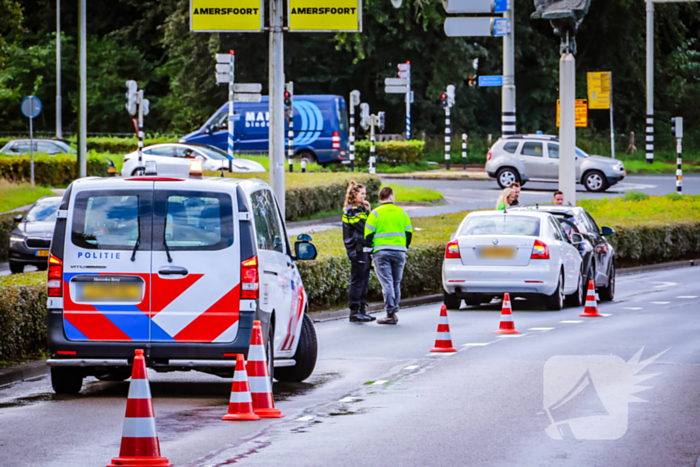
52,147
31,239
597,253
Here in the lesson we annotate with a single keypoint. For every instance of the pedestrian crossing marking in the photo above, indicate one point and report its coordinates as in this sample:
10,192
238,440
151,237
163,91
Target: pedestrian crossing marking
540,329
411,367
570,322
687,296
476,344
660,303
633,308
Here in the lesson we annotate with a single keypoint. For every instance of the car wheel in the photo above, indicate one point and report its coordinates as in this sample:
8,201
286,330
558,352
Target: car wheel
305,356
270,352
16,268
595,181
555,302
66,380
138,172
42,267
307,156
607,293
473,300
578,298
507,176
452,301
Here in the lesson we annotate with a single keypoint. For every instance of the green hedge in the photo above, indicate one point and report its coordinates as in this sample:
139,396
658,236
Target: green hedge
111,144
7,225
305,201
390,152
49,170
22,320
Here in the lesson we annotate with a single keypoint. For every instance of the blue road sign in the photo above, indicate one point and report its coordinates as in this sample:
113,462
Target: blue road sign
496,80
500,6
31,107
500,27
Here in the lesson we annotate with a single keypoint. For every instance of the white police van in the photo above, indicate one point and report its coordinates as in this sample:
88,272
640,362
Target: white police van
179,267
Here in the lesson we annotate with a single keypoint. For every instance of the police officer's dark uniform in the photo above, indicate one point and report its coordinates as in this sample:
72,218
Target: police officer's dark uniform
354,221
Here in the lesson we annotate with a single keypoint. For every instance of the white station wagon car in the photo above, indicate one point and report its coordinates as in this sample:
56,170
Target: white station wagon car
523,253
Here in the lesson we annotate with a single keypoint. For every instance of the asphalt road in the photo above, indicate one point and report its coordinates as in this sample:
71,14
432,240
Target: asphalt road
378,397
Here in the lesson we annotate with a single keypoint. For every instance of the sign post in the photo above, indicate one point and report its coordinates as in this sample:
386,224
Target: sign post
677,130
354,102
225,66
402,85
31,108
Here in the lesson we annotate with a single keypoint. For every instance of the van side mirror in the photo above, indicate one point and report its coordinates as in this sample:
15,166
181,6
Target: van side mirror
305,251
607,231
18,218
304,238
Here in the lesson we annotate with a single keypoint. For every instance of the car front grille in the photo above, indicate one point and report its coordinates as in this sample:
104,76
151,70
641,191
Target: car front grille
38,243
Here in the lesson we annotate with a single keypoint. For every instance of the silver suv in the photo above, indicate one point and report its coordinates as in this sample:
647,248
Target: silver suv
523,158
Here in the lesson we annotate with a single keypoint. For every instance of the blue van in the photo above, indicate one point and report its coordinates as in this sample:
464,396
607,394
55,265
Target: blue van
320,128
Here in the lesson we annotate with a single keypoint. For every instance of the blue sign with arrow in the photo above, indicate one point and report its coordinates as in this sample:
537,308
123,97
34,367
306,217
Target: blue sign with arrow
496,80
500,6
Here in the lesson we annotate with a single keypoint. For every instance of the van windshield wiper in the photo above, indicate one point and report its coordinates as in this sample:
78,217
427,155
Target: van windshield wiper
138,239
165,226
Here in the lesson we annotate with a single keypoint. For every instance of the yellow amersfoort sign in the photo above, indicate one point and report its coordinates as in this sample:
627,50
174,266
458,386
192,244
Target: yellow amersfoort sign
226,15
325,15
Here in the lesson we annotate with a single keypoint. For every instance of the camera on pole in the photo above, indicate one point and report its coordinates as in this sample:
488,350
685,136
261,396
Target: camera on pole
677,127
131,96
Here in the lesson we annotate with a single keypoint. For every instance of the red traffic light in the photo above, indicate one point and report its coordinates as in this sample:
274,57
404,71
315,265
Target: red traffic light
286,94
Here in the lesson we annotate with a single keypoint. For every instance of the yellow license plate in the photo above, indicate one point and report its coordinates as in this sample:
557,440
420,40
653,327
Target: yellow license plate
44,253
101,292
497,252
112,170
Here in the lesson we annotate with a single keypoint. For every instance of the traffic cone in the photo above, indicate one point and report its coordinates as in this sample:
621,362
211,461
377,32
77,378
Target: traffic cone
507,326
140,446
259,376
443,341
591,310
240,405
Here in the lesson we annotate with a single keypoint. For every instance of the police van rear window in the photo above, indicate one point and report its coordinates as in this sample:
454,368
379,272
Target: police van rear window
107,221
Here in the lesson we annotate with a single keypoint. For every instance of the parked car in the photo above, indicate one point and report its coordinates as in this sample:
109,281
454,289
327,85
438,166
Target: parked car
321,131
52,147
174,159
597,253
524,158
179,267
31,238
524,253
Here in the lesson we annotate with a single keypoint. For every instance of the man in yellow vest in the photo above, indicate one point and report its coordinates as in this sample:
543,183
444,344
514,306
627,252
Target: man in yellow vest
389,231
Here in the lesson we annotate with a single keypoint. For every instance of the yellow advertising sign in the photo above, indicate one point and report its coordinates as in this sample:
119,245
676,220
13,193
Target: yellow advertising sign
599,89
226,15
581,112
325,15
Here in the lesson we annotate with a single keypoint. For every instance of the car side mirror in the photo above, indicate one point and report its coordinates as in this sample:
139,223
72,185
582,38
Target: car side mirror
304,238
305,251
18,218
576,238
607,231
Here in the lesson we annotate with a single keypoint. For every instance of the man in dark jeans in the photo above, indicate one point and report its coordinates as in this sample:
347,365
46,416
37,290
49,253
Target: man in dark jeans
389,231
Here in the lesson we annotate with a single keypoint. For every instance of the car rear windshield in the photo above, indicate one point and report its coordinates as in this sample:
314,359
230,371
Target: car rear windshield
44,210
106,221
501,225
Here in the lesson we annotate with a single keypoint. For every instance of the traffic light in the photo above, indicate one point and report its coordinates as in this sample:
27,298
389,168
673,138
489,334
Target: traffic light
131,98
364,116
380,121
287,99
472,80
145,107
444,100
450,95
677,127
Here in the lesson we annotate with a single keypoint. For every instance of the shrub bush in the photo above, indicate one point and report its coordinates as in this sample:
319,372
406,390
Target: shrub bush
7,225
22,320
305,201
118,145
49,170
392,153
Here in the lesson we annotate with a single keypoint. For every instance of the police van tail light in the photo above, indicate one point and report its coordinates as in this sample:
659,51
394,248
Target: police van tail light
452,251
55,277
250,285
540,250
336,140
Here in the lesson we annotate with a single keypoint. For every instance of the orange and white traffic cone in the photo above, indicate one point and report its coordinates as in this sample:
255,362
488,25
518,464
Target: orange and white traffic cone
140,446
240,405
507,326
259,377
443,341
591,310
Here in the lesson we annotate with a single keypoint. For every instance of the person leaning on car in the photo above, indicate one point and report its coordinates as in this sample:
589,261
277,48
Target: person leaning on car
356,210
389,231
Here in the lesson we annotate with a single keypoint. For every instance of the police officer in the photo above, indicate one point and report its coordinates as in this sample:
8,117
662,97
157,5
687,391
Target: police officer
389,231
356,210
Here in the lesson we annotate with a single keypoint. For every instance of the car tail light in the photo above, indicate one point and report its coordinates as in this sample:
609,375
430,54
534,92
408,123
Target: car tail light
540,250
55,277
250,285
452,251
488,158
336,140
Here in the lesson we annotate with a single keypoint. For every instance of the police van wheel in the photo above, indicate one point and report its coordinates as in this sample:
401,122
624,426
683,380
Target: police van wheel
270,352
65,380
305,356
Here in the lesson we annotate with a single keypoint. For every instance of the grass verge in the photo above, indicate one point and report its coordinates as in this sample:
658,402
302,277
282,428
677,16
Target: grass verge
14,195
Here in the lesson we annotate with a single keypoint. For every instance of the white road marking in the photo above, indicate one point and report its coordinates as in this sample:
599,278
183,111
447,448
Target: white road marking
411,367
687,296
660,303
377,383
633,308
507,336
347,399
440,354
606,314
476,344
570,322
664,284
305,418
540,329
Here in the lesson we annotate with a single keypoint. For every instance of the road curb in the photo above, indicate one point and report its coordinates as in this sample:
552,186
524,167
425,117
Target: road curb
659,267
23,372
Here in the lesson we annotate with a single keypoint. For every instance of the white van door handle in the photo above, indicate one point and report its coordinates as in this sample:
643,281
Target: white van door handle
172,271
